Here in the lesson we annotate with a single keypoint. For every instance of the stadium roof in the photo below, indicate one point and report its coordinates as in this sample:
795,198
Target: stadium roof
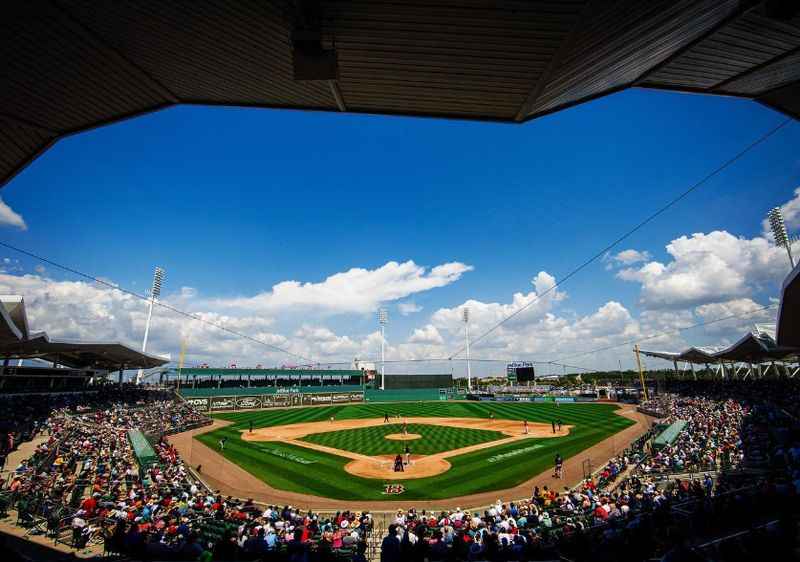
754,347
789,312
16,342
71,65
692,355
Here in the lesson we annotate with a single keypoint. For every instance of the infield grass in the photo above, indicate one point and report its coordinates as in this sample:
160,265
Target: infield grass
372,441
298,469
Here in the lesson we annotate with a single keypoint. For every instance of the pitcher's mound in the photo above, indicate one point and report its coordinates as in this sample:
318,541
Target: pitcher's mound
383,467
403,437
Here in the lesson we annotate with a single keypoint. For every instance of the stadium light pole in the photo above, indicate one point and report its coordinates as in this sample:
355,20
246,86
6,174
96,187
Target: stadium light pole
466,336
155,292
383,318
778,227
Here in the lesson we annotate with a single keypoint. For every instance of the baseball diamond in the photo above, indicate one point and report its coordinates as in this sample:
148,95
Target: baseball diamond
347,452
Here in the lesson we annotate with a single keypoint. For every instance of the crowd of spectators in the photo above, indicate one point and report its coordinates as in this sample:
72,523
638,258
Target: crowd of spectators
85,472
711,439
84,477
633,509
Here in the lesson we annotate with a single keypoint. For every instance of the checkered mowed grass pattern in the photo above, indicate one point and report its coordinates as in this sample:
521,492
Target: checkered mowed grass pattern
372,441
470,472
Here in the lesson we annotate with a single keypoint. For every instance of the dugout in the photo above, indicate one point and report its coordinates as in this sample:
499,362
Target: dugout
395,382
669,435
142,450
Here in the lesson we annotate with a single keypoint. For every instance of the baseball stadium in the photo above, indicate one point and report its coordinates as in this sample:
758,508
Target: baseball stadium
255,432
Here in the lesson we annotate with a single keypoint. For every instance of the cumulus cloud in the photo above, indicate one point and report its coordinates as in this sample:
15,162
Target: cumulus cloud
706,268
357,290
483,315
9,217
426,335
746,311
410,307
625,257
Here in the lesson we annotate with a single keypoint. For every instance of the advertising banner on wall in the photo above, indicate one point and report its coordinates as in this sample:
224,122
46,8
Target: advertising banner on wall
316,399
281,400
223,403
248,402
199,404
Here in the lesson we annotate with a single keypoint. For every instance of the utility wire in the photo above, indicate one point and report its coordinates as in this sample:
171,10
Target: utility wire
157,303
630,232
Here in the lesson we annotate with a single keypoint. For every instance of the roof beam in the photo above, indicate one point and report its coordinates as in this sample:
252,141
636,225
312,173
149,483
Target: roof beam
337,94
563,49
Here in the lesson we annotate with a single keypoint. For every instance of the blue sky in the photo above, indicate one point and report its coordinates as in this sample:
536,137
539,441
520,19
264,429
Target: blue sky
233,201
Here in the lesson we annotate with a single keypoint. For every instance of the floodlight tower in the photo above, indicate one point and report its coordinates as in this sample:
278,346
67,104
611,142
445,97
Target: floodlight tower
383,318
466,336
778,227
155,292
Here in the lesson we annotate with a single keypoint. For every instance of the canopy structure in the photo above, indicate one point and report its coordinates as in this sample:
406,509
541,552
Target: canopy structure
16,342
754,347
691,355
72,65
789,312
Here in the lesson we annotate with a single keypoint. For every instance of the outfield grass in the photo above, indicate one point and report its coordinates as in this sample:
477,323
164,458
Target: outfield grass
493,468
371,440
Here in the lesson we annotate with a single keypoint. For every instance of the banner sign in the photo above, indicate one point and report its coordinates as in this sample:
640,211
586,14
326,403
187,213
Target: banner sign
223,403
316,399
199,404
248,402
288,390
284,400
565,399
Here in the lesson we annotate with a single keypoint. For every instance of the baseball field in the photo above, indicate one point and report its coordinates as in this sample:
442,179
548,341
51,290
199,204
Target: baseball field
454,448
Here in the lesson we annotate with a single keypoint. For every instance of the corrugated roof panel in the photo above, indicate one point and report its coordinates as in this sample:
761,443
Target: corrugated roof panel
59,78
774,75
19,144
203,51
475,60
738,47
622,41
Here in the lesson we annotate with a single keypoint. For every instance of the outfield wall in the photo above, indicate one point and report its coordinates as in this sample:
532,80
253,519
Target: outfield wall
279,400
370,395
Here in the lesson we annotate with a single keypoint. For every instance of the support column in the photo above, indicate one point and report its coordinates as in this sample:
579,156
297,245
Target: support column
641,373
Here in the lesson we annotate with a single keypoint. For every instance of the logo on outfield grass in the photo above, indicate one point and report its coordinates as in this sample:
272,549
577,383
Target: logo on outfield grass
514,453
393,489
289,456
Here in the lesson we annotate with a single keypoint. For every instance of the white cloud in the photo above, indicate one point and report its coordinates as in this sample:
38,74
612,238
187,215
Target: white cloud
747,313
625,257
406,308
427,335
484,315
713,267
354,291
9,217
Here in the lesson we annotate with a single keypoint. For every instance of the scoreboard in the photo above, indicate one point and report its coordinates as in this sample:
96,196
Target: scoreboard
520,371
